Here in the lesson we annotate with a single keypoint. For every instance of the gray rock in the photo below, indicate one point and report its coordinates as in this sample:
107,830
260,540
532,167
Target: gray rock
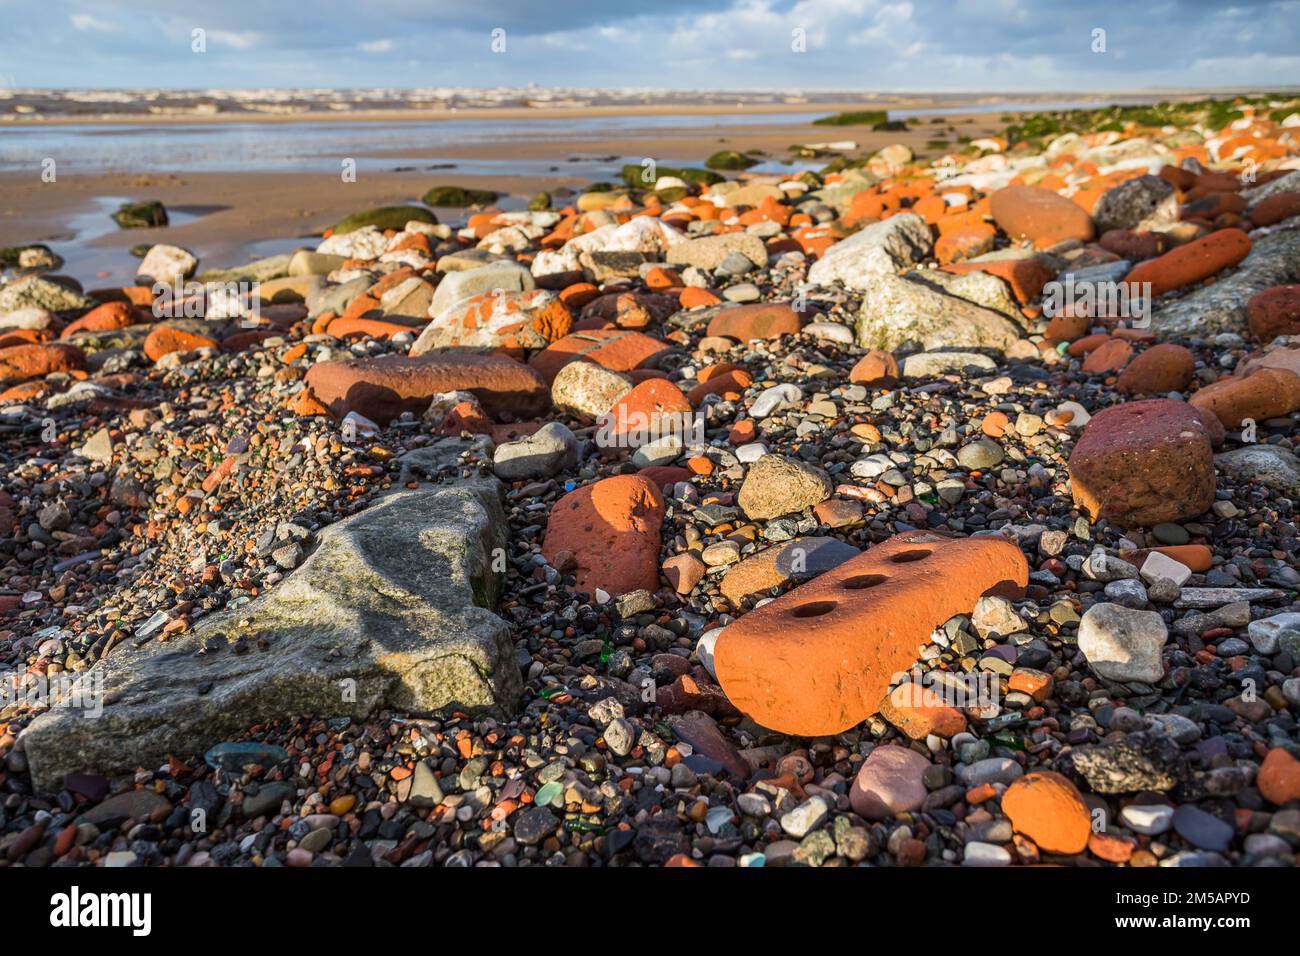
711,252
985,854
305,262
267,800
774,397
439,462
1180,728
389,612
1218,597
620,736
1104,567
138,805
336,298
167,263
736,264
1270,465
661,451
549,450
882,248
1203,830
996,615
1290,183
982,288
980,454
1141,761
1092,276
1127,593
99,447
990,770
259,270
1123,644
1265,634
932,364
1144,204
35,292
457,286
896,311
425,789
585,388
1221,307
534,825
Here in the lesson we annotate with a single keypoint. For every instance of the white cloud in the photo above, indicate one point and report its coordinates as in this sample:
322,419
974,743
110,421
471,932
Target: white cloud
239,39
376,46
88,24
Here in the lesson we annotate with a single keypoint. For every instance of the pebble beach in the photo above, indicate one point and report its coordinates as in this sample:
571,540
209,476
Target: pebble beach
928,503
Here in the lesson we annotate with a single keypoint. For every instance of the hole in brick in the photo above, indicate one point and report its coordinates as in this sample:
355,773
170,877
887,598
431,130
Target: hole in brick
815,609
909,556
863,581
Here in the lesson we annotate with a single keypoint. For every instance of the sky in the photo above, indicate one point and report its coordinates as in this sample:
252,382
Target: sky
794,45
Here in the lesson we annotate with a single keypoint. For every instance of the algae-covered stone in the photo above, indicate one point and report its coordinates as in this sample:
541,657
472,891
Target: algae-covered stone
457,197
383,217
640,176
391,611
141,215
36,292
730,159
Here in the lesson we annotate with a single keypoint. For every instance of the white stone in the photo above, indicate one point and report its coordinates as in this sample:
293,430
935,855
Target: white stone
830,332
805,818
1264,634
704,648
985,854
1123,644
1150,820
167,264
773,397
1160,567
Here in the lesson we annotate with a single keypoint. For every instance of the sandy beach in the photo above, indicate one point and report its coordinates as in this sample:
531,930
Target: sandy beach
230,216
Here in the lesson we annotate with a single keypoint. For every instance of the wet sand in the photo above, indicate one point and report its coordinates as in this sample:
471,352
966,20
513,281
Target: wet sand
229,217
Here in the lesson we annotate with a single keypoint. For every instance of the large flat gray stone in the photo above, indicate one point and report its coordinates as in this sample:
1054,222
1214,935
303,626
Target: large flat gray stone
883,247
896,310
395,598
1221,307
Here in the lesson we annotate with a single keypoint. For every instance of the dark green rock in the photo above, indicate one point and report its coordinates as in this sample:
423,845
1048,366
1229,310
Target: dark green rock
9,255
141,215
458,197
729,159
633,175
384,217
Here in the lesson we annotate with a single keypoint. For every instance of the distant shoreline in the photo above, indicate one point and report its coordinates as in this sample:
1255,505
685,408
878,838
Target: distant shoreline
402,115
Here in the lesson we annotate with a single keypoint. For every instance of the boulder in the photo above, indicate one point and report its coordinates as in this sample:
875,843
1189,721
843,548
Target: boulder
501,275
881,248
896,311
391,611
1143,204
